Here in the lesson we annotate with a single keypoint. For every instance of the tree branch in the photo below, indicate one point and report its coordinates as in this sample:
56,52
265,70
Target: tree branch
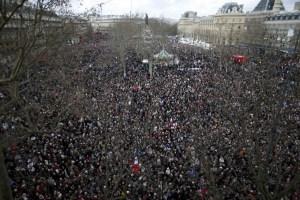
6,19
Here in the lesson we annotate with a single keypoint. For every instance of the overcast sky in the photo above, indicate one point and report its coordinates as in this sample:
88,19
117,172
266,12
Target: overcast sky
169,8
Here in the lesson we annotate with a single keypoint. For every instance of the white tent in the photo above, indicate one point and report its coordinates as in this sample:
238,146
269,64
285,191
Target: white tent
163,55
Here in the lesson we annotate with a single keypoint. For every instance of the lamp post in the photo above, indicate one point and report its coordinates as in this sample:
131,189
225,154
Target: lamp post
297,41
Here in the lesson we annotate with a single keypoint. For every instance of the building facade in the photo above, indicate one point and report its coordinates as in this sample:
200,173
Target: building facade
230,24
75,28
13,34
283,30
188,24
206,29
268,25
106,22
49,26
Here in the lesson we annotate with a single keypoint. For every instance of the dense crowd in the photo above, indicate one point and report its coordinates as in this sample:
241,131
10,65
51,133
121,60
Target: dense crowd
224,131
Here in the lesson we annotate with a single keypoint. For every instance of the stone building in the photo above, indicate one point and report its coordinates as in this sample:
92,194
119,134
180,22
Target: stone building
20,25
206,30
223,28
283,30
230,22
297,6
75,28
268,25
188,24
35,34
269,5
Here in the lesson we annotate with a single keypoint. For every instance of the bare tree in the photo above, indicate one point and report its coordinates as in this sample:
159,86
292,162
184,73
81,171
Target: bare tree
123,38
28,29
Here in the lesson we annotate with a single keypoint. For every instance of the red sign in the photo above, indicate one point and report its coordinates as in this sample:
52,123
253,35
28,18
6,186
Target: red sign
239,59
136,168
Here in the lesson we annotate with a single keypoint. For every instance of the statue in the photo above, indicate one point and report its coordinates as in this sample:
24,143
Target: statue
147,20
235,9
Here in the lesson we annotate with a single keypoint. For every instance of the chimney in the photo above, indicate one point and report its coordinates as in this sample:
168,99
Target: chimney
278,6
297,6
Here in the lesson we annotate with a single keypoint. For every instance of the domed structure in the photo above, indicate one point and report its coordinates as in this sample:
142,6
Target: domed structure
231,7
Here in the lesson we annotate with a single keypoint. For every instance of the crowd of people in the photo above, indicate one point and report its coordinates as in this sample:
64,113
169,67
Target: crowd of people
225,131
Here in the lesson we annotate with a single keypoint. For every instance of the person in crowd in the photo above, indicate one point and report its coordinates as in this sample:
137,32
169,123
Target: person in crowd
205,134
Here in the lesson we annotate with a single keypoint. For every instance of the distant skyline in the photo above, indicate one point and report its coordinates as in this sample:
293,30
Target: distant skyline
167,8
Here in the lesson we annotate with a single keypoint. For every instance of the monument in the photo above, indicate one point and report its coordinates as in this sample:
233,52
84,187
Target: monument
147,33
147,20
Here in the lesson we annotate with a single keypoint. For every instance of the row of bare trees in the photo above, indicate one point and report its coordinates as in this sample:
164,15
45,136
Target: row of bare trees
31,31
134,33
33,54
